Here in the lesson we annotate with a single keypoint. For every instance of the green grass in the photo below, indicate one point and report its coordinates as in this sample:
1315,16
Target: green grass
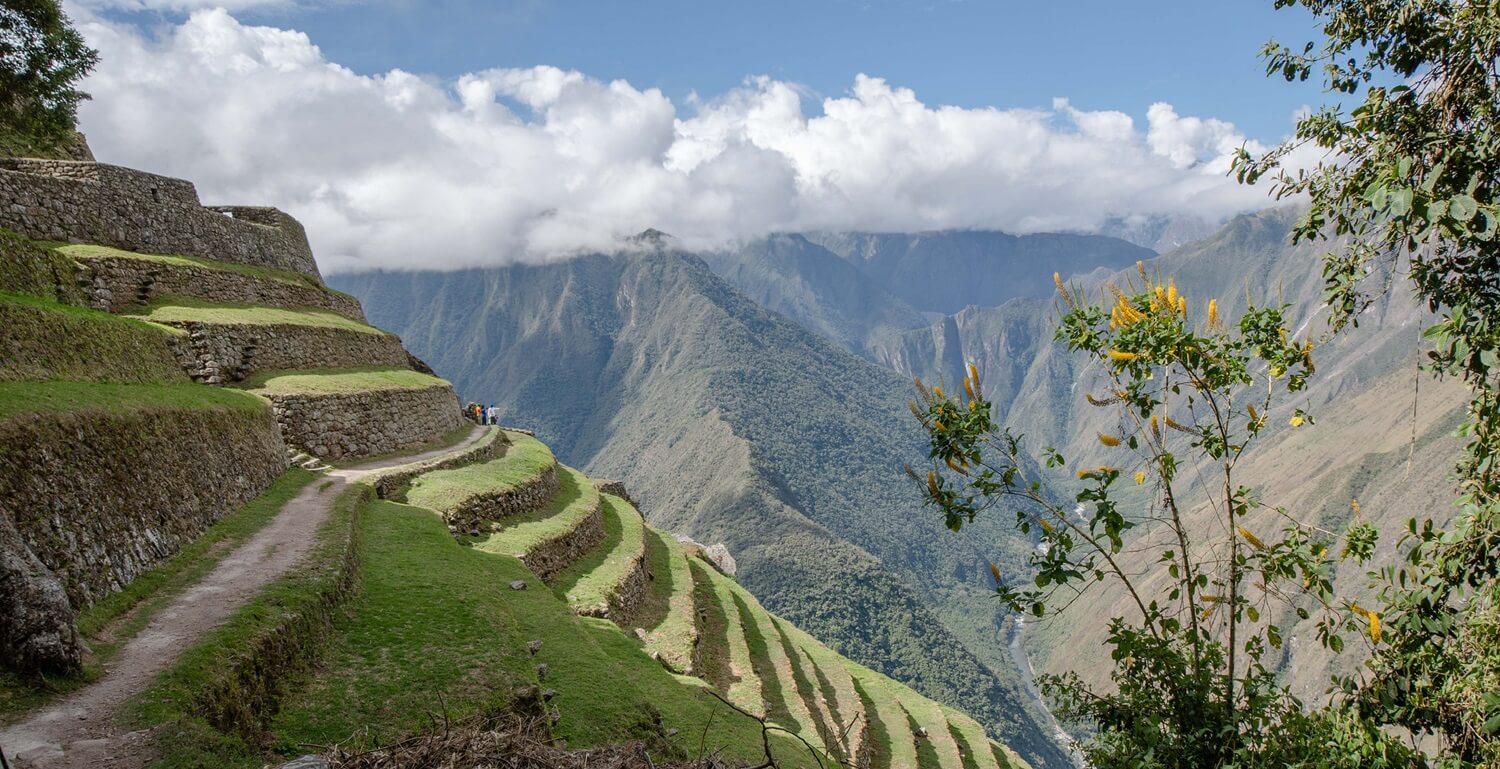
184,739
576,500
895,743
744,687
591,581
338,381
444,490
713,630
55,396
266,273
773,698
45,339
28,267
187,310
927,754
667,614
965,750
436,629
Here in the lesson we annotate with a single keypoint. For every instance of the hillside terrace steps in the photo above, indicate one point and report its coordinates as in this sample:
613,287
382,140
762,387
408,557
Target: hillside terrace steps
480,497
781,691
972,740
744,686
674,640
613,587
851,718
888,717
930,717
552,537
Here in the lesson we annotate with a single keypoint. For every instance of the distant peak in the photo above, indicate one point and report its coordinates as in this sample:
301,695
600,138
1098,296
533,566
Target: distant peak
652,237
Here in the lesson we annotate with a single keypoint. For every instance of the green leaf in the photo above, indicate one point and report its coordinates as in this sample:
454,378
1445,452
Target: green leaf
1462,207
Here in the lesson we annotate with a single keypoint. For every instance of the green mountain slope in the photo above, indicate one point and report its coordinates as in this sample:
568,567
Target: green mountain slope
730,423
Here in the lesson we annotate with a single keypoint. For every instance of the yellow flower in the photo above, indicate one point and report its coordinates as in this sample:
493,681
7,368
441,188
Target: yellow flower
938,425
1354,505
1296,421
1084,474
1045,525
1140,477
995,572
1277,371
932,484
1171,293
1251,538
973,404
1374,626
955,466
1213,313
1121,355
1172,423
937,391
974,374
1109,440
1253,415
1155,426
969,388
1182,306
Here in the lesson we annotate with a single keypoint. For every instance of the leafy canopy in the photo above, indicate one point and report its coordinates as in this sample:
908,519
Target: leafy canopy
42,58
1410,175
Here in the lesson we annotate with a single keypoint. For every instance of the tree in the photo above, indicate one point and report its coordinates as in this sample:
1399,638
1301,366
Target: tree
1191,395
1410,177
42,58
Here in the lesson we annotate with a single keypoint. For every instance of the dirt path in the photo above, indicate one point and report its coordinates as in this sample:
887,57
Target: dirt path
80,731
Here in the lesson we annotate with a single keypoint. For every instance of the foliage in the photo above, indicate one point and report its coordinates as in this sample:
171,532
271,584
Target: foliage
1411,176
43,339
1192,683
41,59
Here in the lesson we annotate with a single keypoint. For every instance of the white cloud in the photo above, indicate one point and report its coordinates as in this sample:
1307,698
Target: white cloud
399,170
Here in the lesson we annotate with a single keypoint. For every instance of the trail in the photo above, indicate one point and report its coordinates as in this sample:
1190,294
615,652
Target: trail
81,730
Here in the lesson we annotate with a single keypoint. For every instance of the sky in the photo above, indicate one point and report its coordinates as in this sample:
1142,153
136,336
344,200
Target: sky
452,133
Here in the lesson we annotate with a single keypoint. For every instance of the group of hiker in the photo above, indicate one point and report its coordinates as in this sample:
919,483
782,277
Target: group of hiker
480,414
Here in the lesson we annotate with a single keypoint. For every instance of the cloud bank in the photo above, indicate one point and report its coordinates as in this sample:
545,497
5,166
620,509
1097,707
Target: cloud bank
402,171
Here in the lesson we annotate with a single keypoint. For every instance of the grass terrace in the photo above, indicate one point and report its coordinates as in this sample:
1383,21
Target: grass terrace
443,490
667,613
576,500
185,310
744,686
593,579
55,396
338,381
895,744
45,339
85,252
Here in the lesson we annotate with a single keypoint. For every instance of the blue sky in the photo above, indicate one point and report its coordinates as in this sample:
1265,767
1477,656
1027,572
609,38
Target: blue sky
1199,55
525,129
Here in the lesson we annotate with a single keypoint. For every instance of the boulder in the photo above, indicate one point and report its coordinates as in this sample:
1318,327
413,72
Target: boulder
36,618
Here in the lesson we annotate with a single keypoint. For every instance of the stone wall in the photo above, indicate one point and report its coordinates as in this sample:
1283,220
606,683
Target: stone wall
475,515
548,559
96,499
216,353
393,485
113,283
85,202
362,424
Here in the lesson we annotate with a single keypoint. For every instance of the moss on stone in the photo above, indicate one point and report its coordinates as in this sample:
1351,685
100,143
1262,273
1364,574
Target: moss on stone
339,381
26,267
44,339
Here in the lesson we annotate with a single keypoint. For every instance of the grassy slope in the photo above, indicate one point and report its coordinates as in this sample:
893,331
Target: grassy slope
972,741
593,579
338,381
671,631
895,746
576,500
19,398
108,624
524,459
186,310
44,339
743,687
436,619
838,687
266,273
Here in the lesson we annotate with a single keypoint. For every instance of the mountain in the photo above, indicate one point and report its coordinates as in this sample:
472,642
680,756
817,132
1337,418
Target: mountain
946,271
731,423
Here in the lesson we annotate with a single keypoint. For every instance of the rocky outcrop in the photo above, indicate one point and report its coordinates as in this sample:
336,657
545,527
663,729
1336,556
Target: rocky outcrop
475,514
614,489
626,599
363,424
393,485
114,283
717,555
548,559
36,619
86,202
219,353
98,498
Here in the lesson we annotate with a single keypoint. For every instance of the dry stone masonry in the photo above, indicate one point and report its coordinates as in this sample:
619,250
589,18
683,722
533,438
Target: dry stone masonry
86,202
96,499
476,514
219,353
114,283
393,485
548,559
363,424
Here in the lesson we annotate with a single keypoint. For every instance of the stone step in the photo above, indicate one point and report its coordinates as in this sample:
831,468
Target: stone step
550,539
354,414
610,581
